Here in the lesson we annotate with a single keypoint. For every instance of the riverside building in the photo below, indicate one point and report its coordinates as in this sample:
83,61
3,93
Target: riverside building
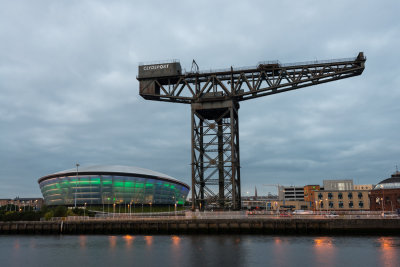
341,200
386,195
111,184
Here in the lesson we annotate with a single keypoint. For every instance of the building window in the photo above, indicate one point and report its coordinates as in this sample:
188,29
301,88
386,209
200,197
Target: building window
319,196
330,204
359,195
351,205
340,196
350,195
330,196
341,204
361,204
321,206
398,200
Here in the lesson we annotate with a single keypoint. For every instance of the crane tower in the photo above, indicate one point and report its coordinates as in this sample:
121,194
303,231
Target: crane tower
214,97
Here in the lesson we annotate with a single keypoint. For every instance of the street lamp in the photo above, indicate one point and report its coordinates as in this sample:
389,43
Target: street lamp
391,204
326,205
84,210
76,182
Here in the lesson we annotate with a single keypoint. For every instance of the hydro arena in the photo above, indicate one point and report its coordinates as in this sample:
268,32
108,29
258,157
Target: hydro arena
110,184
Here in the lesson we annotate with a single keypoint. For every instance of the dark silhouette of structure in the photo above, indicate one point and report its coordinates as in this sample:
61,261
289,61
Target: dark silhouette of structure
214,97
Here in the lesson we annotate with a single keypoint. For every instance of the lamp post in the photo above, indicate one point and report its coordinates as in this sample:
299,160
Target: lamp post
320,202
102,200
382,198
76,183
391,204
84,210
326,205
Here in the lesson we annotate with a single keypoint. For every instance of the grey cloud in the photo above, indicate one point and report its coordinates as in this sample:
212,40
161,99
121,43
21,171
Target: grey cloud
68,89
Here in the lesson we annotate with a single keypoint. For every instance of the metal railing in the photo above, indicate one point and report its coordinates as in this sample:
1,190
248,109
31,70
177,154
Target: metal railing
273,62
232,215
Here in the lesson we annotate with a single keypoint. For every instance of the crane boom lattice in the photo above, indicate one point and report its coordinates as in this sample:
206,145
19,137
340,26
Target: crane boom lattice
214,97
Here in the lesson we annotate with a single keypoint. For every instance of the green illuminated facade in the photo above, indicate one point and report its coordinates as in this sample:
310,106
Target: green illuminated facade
112,184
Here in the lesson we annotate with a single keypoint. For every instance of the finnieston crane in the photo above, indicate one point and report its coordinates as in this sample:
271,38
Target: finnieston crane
214,97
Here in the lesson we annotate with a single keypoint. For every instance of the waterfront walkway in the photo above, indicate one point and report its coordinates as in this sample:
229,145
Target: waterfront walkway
210,223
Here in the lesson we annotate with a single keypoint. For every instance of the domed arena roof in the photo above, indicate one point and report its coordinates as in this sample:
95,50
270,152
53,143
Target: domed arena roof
390,183
113,170
111,184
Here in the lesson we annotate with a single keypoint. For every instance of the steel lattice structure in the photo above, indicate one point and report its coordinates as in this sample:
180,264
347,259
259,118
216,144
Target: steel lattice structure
214,97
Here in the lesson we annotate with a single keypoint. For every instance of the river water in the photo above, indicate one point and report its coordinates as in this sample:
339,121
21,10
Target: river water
202,250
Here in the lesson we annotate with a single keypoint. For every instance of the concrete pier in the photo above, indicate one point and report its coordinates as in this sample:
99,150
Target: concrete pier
207,226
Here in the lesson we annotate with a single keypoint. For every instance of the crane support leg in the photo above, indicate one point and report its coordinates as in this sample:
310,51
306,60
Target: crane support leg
215,155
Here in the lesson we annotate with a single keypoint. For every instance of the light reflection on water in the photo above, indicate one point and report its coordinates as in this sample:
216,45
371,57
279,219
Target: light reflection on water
82,241
202,250
128,240
389,251
112,240
325,251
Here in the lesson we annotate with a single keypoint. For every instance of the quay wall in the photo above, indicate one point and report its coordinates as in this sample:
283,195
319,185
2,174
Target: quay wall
207,226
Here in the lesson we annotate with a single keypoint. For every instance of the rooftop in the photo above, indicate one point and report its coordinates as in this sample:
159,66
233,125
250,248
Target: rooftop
111,169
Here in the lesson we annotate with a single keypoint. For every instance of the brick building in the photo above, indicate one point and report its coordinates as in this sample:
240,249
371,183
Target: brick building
386,195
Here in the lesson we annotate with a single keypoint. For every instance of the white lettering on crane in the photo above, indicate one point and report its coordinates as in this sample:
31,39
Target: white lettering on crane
156,67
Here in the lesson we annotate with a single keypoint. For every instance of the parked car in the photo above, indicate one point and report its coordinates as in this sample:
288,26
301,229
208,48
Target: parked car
302,212
389,215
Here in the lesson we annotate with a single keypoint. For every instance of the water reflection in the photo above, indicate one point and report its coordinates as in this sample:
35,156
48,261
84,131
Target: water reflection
128,240
112,241
32,243
200,250
176,240
279,251
16,244
149,240
389,251
325,251
82,241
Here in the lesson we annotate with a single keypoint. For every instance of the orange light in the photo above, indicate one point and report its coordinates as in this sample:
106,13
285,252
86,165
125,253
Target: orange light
149,240
389,256
128,240
175,240
113,241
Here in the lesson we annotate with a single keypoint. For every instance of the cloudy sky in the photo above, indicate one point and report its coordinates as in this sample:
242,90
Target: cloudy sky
68,88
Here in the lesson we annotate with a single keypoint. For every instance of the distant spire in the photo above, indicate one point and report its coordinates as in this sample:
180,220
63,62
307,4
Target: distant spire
255,192
397,169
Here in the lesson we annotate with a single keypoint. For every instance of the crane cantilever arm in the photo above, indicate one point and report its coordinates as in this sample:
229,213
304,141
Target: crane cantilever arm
241,84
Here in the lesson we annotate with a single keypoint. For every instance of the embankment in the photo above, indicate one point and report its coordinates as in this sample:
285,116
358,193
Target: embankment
207,226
